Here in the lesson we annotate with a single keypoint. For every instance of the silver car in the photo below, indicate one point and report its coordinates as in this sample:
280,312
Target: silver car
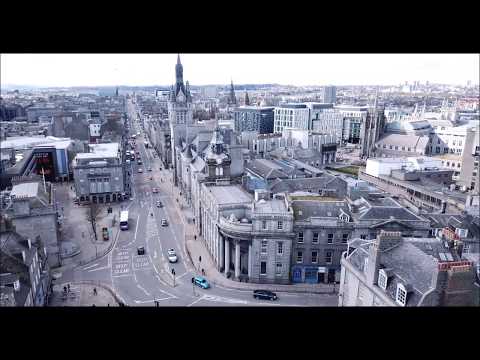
172,256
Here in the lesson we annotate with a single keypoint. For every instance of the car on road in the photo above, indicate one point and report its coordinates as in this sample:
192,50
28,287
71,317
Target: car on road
172,256
140,170
264,295
164,222
155,190
201,281
159,204
141,250
149,169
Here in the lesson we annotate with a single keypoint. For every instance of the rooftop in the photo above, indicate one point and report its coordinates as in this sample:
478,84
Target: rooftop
100,150
270,206
229,194
24,142
25,190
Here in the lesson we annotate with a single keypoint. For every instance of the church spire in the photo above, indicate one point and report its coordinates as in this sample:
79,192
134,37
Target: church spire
179,72
232,100
247,100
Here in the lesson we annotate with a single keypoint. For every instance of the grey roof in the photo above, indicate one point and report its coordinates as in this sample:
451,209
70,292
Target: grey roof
291,185
266,169
407,263
411,141
25,190
385,213
469,222
229,194
305,209
270,206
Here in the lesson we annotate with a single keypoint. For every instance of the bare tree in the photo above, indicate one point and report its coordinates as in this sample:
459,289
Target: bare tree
91,215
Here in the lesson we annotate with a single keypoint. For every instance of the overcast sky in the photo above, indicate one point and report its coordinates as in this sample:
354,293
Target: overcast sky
201,69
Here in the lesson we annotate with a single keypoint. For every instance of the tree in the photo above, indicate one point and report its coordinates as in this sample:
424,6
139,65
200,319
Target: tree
91,215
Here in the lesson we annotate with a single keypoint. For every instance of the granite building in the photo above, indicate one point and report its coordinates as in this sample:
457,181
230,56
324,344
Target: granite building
396,271
99,174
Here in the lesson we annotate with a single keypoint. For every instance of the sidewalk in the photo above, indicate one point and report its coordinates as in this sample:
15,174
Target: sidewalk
197,248
77,233
82,294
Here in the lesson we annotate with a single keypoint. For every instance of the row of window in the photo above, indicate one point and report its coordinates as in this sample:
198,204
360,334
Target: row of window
278,268
396,147
314,257
315,238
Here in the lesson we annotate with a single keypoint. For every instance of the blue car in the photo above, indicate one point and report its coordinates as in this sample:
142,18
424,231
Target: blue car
202,282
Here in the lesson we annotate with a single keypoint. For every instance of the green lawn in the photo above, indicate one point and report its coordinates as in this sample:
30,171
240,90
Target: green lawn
349,170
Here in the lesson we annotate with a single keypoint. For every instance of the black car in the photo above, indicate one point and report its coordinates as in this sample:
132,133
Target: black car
264,295
141,250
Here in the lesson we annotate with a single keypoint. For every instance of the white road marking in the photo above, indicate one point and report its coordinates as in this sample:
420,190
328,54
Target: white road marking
121,275
155,254
180,276
136,227
145,291
149,301
100,268
223,299
196,301
90,266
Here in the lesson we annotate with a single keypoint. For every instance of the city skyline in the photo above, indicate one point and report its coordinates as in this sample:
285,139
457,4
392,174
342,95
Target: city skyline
71,70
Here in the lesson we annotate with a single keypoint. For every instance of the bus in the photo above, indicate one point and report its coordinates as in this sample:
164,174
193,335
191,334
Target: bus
124,220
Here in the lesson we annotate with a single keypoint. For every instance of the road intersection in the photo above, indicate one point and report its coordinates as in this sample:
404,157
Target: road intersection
143,280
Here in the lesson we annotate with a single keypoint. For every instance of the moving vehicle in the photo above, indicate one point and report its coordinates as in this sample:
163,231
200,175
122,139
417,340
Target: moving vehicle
140,171
159,204
164,222
172,256
134,136
124,220
105,233
264,295
141,250
201,281
149,169
155,190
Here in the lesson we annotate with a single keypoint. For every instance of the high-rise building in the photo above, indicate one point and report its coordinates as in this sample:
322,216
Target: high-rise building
292,116
180,114
329,94
254,118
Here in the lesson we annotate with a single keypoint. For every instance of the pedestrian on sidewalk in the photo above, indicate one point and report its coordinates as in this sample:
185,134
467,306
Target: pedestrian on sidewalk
203,271
95,291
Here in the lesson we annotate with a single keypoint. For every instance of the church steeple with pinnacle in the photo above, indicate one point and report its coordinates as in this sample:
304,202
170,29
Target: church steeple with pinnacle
232,100
247,100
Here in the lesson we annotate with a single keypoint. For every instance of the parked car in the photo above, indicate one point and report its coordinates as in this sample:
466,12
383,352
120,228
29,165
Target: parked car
155,190
140,170
202,282
149,169
264,295
164,222
172,256
141,250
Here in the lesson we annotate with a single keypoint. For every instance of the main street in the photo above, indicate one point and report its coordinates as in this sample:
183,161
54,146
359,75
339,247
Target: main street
140,280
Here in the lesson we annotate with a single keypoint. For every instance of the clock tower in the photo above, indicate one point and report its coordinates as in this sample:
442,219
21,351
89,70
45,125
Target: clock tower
180,116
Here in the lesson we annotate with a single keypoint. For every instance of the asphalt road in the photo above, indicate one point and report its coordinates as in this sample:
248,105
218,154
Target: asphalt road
142,279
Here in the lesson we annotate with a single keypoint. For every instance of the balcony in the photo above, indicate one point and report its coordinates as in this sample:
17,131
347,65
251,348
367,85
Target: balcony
235,228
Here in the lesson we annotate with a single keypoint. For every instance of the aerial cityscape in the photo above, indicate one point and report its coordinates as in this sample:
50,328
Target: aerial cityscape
265,180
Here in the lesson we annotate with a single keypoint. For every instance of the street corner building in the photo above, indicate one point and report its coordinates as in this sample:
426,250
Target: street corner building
100,174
